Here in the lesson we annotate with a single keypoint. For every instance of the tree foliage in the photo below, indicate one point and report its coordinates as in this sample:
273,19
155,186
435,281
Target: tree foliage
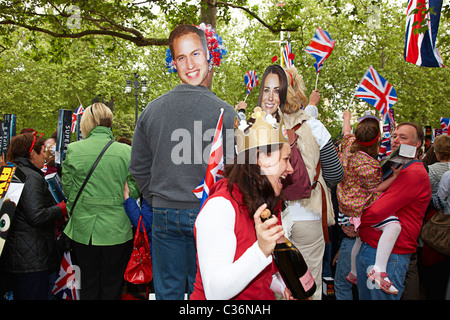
51,55
127,20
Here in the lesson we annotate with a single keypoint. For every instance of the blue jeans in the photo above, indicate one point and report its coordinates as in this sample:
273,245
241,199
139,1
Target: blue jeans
343,288
396,269
174,258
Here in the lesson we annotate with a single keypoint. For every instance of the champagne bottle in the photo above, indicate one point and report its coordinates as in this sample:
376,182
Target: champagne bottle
292,267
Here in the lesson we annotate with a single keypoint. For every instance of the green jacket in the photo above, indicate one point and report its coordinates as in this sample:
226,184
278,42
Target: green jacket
99,214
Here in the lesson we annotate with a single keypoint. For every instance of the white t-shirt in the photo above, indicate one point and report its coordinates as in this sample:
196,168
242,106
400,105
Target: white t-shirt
216,247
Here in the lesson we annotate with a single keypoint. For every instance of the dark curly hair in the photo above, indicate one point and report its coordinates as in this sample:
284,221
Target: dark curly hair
255,187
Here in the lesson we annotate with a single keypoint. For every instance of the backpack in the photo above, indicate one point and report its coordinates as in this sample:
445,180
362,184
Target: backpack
297,186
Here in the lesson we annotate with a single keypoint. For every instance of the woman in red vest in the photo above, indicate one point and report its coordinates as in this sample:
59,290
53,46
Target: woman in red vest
233,245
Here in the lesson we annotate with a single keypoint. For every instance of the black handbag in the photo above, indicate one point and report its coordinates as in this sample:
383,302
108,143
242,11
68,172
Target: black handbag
64,240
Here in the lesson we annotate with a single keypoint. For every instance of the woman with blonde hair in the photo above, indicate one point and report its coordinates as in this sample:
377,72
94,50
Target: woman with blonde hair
283,92
296,98
306,220
99,227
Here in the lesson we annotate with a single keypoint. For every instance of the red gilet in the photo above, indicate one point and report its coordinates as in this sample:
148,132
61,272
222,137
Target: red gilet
407,198
244,229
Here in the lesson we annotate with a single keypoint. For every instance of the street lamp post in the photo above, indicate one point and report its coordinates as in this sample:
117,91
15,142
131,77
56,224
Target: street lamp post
136,85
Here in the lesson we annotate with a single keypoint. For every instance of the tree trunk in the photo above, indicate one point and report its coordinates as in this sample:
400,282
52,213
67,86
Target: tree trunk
208,12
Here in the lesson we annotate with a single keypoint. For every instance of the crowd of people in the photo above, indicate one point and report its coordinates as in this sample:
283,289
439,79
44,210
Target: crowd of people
334,206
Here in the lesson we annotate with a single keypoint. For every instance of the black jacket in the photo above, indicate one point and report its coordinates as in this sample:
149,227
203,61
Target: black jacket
30,244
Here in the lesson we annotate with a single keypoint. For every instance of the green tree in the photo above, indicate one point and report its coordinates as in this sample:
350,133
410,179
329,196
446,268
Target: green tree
44,64
127,20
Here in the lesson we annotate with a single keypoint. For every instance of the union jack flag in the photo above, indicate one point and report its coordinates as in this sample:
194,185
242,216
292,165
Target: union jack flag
378,92
67,285
251,80
385,147
288,56
214,170
320,47
388,125
444,125
78,111
420,48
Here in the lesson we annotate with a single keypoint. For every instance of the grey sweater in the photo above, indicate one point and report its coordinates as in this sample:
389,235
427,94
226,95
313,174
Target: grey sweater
435,172
172,141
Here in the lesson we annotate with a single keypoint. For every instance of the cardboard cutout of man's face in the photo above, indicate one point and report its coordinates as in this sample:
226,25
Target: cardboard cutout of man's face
191,59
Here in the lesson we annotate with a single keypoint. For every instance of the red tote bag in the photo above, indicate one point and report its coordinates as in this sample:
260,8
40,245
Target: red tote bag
139,269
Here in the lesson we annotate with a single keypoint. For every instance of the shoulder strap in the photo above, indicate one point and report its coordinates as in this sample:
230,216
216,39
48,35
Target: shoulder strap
410,162
315,182
291,134
89,175
297,126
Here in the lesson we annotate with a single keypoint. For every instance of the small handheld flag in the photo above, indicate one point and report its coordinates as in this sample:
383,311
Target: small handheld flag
444,125
377,91
388,122
214,170
67,285
320,48
251,81
288,56
78,112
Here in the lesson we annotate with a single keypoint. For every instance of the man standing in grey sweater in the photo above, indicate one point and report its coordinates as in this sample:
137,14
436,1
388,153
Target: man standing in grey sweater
169,156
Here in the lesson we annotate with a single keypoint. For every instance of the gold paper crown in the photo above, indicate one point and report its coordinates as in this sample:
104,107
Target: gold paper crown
264,131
